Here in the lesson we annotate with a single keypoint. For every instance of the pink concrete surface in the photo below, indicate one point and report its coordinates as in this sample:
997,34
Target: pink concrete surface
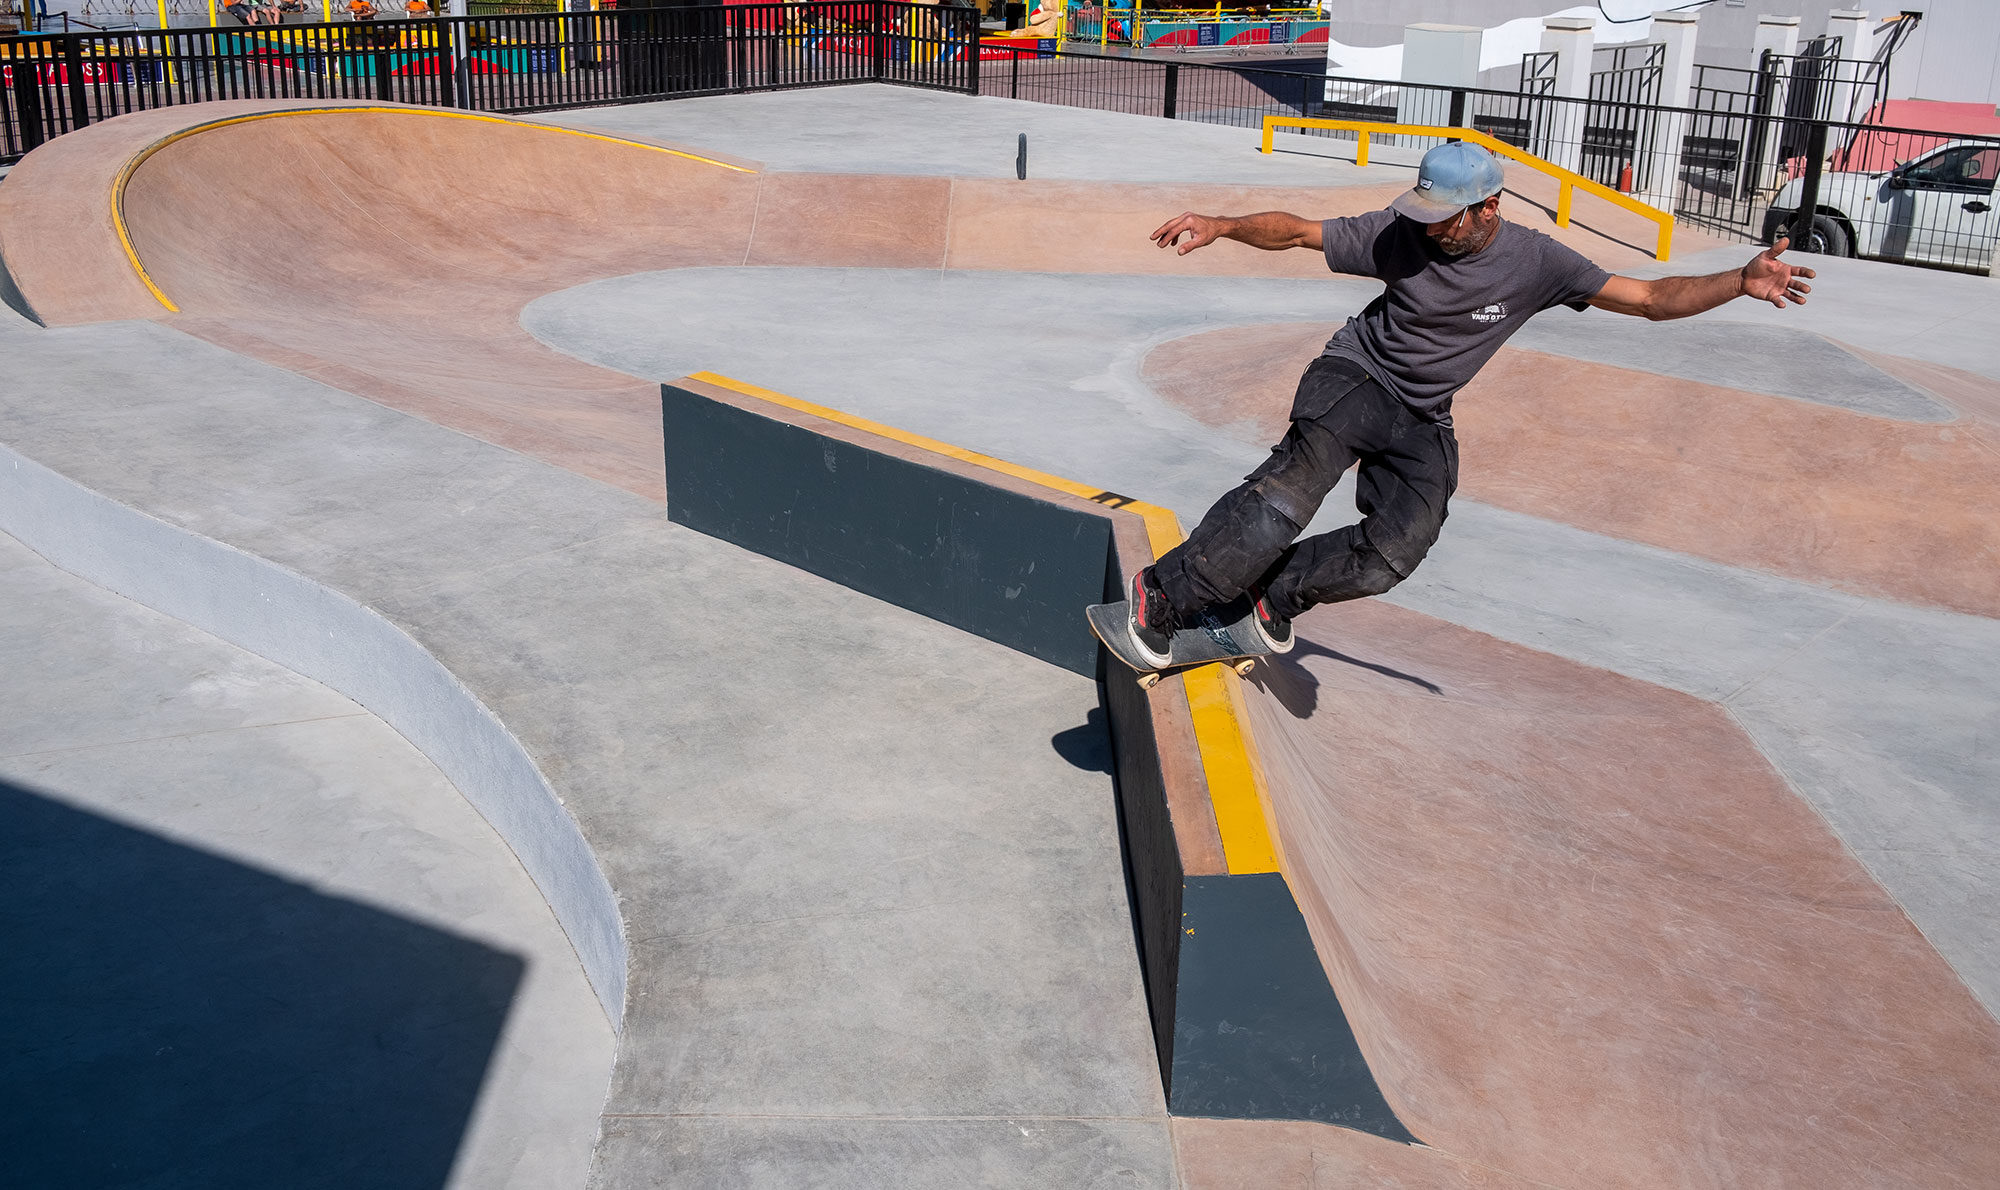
349,256
1302,1155
1588,937
1880,507
358,252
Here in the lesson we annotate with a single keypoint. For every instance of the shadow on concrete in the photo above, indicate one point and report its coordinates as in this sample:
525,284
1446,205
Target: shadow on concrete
1297,688
177,1019
1087,747
1574,221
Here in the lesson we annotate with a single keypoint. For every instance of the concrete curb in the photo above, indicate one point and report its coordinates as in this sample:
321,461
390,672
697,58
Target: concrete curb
318,632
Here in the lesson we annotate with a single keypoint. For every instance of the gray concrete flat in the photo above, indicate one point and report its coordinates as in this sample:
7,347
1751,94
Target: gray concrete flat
898,130
815,828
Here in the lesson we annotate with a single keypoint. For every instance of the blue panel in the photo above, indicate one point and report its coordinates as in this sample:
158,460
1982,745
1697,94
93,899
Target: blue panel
1258,1033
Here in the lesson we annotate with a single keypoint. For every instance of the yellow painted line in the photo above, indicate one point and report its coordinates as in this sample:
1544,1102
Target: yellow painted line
1221,730
1570,179
139,158
1235,785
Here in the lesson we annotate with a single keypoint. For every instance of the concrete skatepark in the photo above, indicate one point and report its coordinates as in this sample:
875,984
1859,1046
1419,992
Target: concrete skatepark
1646,834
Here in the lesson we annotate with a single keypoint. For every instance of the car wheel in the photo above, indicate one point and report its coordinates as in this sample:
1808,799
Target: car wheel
1828,237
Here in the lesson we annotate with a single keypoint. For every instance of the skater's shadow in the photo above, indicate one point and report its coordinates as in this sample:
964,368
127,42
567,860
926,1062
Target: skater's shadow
1088,747
1296,687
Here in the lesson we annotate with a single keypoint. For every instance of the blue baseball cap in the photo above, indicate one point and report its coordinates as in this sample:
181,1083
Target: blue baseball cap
1452,177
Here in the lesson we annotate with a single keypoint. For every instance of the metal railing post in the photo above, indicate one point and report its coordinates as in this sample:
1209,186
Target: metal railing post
1802,219
79,98
970,21
1171,99
28,101
739,59
461,51
880,66
1457,108
447,69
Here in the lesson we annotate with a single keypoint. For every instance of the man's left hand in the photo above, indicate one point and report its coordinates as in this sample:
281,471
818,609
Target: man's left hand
1769,279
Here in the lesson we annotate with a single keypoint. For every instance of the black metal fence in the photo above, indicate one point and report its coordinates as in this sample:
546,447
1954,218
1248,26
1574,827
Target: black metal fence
1743,165
50,85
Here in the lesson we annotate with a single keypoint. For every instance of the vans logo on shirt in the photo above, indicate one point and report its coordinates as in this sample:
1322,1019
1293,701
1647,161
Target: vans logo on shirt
1494,313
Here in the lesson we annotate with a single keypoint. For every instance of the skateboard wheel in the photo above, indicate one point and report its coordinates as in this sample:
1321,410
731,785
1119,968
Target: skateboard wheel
1244,667
1148,681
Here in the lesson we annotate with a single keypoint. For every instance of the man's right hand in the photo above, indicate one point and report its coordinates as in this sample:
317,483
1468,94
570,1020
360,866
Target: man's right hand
1200,230
1272,231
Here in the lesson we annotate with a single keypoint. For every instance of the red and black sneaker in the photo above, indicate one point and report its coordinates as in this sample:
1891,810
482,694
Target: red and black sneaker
1151,620
1274,628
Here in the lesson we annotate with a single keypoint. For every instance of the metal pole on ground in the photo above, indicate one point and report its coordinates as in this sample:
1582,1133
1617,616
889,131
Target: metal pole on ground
1802,219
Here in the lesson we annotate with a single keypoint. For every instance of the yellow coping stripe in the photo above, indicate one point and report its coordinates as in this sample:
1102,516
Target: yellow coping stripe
1221,729
138,159
1570,179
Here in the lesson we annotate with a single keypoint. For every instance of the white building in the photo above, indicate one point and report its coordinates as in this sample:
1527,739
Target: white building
1953,55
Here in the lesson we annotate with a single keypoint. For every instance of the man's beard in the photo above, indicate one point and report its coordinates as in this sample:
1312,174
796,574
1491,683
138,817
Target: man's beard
1466,244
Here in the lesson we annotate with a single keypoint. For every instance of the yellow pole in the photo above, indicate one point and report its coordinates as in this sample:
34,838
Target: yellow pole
1361,149
211,14
163,14
1562,204
326,11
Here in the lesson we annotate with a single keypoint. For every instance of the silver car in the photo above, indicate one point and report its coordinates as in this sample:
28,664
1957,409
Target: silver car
1935,209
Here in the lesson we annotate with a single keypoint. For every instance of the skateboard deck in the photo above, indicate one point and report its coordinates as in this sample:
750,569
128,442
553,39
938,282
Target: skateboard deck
1224,636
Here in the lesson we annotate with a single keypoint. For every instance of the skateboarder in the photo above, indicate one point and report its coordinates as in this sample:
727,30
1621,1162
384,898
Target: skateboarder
1460,281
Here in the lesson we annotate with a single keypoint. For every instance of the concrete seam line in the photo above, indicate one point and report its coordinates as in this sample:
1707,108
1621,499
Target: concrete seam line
314,630
138,159
1221,726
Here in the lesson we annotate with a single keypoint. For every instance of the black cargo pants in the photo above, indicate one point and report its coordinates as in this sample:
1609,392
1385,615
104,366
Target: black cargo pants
1409,468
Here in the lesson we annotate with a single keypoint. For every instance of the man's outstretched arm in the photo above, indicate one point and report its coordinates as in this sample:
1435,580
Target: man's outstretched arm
1269,230
1765,278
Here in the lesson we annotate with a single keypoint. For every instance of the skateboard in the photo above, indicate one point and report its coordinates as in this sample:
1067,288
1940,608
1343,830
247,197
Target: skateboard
1224,636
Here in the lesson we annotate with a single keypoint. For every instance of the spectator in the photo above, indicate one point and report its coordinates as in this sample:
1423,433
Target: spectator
416,8
360,10
241,10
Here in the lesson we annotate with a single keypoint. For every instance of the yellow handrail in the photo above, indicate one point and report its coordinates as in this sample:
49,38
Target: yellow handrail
1570,179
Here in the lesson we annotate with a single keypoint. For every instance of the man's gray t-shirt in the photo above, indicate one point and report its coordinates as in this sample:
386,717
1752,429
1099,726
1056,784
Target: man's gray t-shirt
1442,317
